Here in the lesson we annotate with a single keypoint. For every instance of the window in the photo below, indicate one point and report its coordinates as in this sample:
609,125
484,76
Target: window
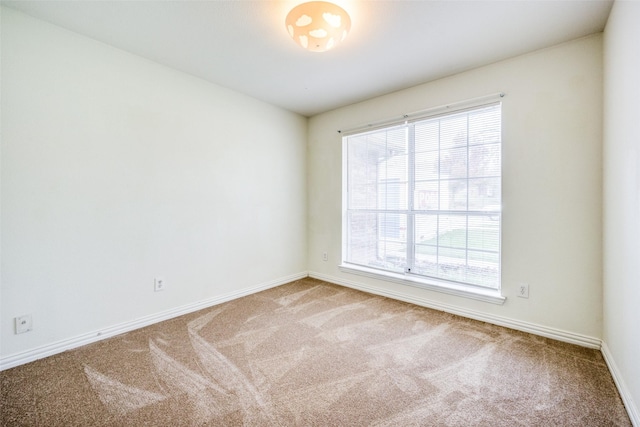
423,199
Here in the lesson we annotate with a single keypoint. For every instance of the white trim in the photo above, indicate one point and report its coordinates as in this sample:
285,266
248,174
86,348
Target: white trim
405,257
486,295
533,328
91,337
629,404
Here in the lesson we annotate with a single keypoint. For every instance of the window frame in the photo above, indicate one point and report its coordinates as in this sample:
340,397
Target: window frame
469,290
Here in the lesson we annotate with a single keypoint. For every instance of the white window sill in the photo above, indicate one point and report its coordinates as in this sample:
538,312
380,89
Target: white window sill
486,295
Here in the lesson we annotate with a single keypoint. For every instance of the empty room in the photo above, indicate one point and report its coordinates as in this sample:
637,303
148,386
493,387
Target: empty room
337,213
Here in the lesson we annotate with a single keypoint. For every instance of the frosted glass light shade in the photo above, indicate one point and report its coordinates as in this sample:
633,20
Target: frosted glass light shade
318,25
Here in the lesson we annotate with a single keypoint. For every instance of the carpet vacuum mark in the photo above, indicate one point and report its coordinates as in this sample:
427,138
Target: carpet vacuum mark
310,353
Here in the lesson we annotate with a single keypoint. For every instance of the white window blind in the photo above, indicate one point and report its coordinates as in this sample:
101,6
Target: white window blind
424,198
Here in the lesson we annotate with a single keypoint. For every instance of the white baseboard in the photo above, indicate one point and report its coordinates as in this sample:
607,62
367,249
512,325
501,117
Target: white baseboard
545,331
91,337
629,404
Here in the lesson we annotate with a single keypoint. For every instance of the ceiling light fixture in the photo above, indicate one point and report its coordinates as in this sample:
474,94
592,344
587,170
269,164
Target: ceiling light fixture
318,25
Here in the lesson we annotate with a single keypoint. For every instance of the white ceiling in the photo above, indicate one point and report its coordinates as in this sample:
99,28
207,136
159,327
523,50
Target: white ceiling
243,45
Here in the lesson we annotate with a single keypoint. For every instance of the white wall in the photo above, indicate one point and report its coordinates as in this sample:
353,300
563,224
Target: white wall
622,199
116,169
552,188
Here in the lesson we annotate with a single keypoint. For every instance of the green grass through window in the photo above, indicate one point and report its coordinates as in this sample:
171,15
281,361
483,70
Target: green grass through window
452,244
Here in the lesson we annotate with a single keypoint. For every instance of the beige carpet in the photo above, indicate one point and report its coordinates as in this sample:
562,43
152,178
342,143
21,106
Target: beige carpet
314,354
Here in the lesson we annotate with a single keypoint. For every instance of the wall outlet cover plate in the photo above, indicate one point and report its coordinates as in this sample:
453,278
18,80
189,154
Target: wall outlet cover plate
24,324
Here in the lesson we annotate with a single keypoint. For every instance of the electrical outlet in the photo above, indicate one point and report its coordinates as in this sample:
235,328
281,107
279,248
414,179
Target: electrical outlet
523,290
24,324
159,284
325,256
